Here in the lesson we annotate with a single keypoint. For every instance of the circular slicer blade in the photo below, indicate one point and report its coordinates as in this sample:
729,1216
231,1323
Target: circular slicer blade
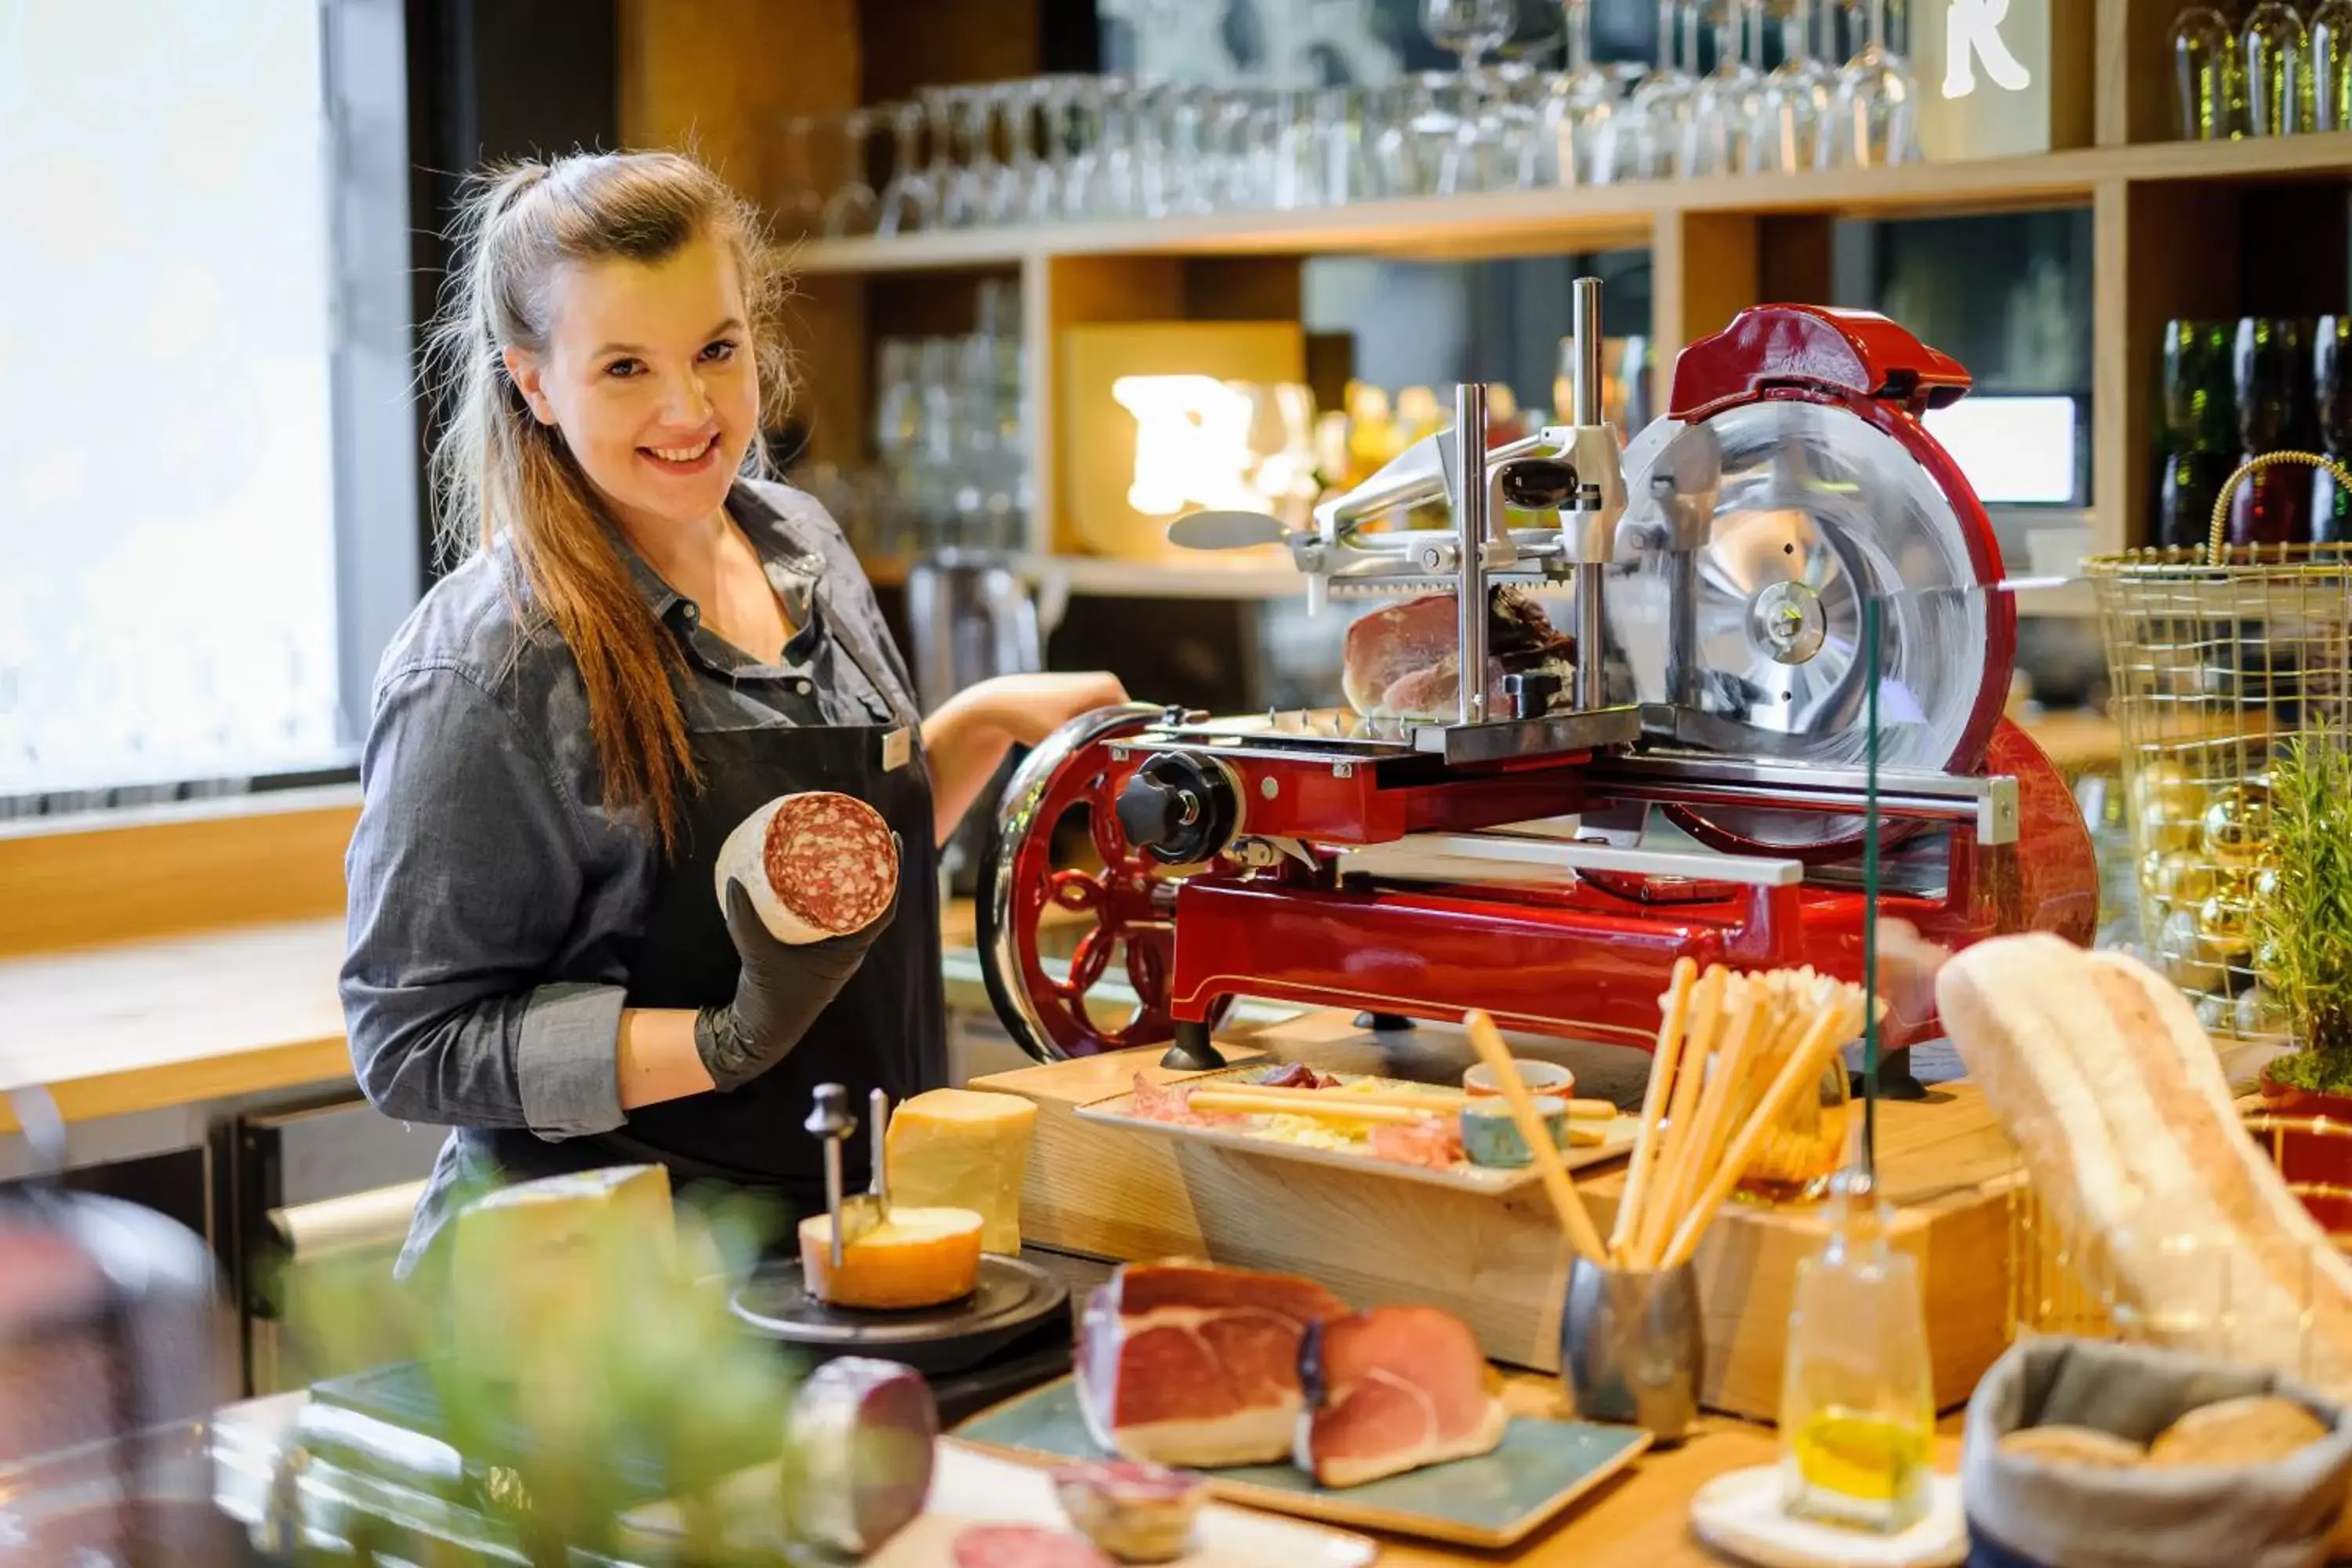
1815,512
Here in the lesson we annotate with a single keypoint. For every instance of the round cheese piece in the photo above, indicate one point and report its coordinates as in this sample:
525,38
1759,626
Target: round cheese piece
919,1258
816,865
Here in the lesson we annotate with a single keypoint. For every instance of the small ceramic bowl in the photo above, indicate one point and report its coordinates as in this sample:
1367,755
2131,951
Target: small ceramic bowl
1541,1078
1489,1136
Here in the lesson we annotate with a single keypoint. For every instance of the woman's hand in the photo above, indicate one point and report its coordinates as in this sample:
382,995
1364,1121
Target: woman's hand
1025,709
966,739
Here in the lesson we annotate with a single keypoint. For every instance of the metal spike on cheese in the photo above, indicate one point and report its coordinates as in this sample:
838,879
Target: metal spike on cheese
527,1260
959,1148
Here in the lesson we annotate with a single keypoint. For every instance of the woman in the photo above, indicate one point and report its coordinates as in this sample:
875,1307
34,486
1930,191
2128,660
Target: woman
642,648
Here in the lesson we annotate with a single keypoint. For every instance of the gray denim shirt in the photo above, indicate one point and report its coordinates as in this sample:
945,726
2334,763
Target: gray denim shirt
493,896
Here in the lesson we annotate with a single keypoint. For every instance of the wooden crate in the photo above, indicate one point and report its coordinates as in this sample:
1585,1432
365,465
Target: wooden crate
1499,1263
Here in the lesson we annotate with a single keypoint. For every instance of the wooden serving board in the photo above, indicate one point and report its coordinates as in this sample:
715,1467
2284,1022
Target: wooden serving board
1497,1260
1118,1111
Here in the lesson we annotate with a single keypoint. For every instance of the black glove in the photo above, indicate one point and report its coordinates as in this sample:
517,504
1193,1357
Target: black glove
781,992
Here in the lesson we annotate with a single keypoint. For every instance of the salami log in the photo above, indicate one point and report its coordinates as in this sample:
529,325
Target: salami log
1025,1546
816,865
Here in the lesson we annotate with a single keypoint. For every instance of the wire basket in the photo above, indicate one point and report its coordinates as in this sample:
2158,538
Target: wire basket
2178,1289
2217,658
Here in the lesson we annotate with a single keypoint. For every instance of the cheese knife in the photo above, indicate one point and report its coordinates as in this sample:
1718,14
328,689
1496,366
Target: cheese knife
853,1215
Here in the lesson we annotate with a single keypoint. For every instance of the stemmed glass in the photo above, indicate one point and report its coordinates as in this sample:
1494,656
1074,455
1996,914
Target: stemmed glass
1014,104
1796,101
1473,30
853,208
1725,105
1874,117
801,209
909,201
964,197
1579,102
1648,139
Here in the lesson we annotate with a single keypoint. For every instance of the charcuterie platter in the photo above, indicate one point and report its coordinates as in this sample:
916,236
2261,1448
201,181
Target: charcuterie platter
1494,1499
1382,1135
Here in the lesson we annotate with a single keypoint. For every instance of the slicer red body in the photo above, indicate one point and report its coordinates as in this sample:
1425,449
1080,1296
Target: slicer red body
1583,956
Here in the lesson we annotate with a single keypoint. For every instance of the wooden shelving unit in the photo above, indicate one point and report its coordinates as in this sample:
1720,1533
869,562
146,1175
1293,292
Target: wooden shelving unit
2196,229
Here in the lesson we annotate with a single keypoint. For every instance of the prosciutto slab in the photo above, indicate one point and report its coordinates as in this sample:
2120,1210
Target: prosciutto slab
1391,1390
1404,661
1189,1363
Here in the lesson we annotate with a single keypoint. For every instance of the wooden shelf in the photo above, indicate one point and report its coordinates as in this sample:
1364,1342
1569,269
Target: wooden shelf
1597,217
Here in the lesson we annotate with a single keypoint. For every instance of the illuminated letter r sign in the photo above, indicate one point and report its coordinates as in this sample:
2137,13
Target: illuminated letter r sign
1972,29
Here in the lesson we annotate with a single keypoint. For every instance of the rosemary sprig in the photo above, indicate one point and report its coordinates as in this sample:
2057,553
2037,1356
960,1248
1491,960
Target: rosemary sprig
2303,908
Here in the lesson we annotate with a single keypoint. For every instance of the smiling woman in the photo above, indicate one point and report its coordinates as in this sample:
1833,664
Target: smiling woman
649,646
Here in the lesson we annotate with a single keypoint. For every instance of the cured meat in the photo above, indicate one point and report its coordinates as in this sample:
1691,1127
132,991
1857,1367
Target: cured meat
1023,1546
1299,1075
1402,662
816,865
861,1431
1391,1390
1189,1363
1165,1102
1435,1143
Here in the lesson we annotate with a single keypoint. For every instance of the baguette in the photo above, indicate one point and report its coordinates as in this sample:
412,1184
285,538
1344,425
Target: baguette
2098,1071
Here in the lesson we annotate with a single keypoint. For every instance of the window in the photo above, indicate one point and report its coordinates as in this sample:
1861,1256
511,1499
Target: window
168,430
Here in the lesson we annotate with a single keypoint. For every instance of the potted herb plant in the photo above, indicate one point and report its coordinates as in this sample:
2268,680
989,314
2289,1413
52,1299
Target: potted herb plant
2302,922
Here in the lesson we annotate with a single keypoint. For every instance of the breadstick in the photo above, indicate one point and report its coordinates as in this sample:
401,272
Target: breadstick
1690,1078
1574,1223
1653,1103
1724,1085
1436,1101
1830,1029
1331,1108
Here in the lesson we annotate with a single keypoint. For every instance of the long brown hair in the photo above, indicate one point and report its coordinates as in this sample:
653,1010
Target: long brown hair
498,472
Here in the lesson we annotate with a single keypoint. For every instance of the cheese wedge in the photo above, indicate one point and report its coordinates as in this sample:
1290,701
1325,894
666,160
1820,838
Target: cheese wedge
919,1258
528,1263
965,1149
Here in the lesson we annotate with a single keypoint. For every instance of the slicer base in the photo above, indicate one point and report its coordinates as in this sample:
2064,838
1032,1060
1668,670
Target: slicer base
1194,1050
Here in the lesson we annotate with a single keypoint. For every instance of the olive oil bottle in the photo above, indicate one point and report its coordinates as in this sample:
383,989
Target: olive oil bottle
1857,1405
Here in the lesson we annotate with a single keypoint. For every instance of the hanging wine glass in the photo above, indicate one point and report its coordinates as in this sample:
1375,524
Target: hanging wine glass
1579,102
853,208
1724,104
2205,85
1795,103
2331,66
1874,116
908,201
2276,51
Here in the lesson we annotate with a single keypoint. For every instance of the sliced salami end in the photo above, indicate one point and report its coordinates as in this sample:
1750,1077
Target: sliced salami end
817,865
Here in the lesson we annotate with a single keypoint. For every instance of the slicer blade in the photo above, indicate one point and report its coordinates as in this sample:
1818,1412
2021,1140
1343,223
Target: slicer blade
1815,513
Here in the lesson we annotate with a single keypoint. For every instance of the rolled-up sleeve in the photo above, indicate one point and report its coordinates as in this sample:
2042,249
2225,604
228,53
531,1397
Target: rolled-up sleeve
465,875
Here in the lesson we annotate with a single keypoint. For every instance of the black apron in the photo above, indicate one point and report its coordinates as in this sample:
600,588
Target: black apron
886,1029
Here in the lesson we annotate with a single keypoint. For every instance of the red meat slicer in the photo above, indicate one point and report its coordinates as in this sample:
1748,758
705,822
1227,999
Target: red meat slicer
1699,789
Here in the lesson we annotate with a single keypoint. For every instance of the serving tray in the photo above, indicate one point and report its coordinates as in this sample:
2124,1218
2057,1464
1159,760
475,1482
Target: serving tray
1494,1501
1117,1111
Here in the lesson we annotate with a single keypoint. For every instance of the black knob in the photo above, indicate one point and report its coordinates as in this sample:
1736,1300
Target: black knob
1539,484
1530,692
1178,808
1151,811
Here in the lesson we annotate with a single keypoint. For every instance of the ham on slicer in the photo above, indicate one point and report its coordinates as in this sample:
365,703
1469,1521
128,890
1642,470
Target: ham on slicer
1673,761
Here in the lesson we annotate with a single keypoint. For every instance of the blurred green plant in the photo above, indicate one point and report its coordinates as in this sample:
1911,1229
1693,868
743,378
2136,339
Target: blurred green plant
2303,908
645,1388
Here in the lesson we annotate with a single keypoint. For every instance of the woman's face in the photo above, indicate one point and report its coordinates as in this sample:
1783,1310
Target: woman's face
649,374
